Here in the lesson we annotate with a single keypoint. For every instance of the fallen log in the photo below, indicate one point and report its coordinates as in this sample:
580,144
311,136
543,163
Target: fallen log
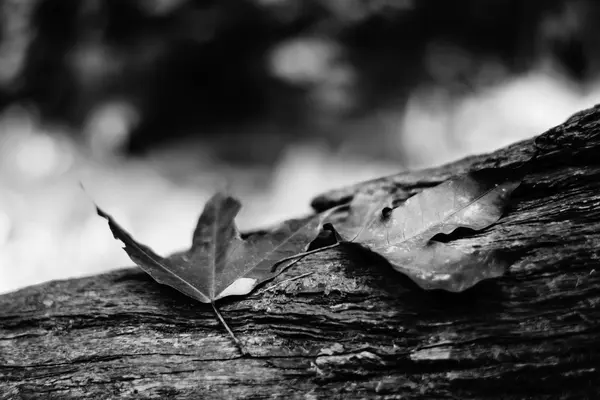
350,327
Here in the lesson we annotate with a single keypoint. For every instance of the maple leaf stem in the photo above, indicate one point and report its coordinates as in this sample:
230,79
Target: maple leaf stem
237,342
306,253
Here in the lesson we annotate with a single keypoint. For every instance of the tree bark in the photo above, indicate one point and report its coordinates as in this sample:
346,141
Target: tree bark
353,328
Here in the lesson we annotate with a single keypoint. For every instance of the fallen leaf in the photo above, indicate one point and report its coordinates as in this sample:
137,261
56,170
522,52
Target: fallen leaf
403,235
474,200
350,220
220,263
440,266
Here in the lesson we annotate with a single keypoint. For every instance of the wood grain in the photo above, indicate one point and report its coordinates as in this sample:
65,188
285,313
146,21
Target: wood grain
353,328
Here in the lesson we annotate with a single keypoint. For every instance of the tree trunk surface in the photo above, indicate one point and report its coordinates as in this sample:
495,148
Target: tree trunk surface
353,328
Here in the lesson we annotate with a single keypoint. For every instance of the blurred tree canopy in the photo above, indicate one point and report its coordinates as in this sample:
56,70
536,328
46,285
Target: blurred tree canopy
189,67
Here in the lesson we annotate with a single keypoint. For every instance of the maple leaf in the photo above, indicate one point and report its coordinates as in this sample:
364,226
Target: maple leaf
220,263
403,235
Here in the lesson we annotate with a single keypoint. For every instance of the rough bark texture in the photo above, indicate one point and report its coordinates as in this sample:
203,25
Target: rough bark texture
353,328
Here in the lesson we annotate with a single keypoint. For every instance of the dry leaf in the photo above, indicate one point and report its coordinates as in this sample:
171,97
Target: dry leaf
220,263
403,235
475,200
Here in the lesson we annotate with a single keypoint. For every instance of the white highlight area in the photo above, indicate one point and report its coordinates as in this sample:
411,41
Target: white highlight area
238,287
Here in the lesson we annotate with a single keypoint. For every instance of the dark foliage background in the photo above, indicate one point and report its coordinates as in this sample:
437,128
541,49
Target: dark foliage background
154,104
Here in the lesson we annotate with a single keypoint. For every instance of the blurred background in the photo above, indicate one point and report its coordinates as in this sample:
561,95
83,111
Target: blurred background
155,104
